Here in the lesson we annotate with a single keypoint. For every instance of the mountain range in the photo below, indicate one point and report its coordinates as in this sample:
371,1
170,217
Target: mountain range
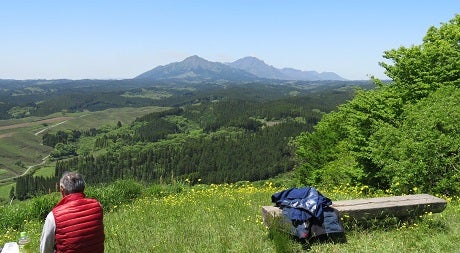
195,68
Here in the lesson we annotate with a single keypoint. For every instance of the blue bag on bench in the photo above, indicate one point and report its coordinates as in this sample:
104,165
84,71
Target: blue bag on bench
308,214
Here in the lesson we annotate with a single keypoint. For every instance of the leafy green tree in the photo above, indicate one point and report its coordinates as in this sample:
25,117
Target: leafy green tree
344,135
63,150
423,154
419,70
12,195
374,138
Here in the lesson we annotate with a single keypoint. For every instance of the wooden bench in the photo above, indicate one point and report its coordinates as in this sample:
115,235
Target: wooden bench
370,208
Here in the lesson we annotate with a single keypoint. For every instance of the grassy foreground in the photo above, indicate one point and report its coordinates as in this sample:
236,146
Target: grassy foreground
227,218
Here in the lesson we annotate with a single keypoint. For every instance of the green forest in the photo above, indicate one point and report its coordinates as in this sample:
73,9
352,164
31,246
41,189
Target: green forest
220,140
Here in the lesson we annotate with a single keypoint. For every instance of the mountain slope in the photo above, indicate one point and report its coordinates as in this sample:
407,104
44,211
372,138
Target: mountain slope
262,70
259,68
295,74
195,68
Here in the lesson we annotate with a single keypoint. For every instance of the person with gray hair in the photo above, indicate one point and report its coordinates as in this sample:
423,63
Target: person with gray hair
72,183
76,223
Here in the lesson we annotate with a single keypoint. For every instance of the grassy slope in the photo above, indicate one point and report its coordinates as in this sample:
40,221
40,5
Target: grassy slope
21,145
5,189
227,218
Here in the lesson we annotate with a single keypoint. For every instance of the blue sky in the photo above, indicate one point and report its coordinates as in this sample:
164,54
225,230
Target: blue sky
45,39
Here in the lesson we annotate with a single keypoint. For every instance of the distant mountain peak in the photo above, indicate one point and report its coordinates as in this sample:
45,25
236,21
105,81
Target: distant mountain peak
252,59
194,58
250,68
194,62
249,60
258,67
195,68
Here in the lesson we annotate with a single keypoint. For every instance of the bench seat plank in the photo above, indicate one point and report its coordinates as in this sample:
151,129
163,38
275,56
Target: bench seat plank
396,206
371,208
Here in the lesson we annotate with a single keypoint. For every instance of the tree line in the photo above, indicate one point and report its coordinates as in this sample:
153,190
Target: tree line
221,158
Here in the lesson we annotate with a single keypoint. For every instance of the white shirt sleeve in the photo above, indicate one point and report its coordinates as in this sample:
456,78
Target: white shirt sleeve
48,232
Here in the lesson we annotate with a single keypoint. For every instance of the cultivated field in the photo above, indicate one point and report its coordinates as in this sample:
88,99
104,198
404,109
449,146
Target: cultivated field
20,139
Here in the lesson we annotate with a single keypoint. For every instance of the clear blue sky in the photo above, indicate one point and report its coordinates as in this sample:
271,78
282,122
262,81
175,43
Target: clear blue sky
112,39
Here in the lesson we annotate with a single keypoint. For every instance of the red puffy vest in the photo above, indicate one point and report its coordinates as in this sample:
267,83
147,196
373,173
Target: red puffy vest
79,225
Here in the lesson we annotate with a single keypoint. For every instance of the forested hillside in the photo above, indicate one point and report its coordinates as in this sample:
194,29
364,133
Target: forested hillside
214,135
24,98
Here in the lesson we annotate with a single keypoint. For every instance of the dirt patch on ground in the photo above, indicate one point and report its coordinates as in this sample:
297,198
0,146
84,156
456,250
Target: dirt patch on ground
52,120
6,135
272,123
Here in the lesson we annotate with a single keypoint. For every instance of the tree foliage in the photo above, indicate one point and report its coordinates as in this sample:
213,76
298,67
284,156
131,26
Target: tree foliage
423,154
421,69
403,134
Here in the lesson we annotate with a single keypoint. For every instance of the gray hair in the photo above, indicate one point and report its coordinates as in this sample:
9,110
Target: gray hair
72,182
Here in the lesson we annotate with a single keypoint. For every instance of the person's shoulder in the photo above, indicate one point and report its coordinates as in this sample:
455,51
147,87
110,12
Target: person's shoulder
93,201
50,216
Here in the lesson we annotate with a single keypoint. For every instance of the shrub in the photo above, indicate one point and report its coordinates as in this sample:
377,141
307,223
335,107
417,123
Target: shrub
13,216
163,190
115,194
42,205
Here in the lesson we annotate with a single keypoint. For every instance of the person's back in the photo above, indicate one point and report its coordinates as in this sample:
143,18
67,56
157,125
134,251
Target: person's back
79,226
76,223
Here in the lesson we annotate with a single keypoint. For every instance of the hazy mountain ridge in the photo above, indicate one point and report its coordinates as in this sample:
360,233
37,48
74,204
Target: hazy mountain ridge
259,68
195,68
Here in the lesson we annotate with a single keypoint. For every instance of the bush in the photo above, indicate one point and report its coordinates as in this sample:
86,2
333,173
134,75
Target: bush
115,194
42,205
36,209
13,216
163,190
16,215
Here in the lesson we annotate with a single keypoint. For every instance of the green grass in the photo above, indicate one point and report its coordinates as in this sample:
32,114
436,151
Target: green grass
47,171
144,93
5,190
87,120
20,151
219,218
23,148
3,171
227,218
